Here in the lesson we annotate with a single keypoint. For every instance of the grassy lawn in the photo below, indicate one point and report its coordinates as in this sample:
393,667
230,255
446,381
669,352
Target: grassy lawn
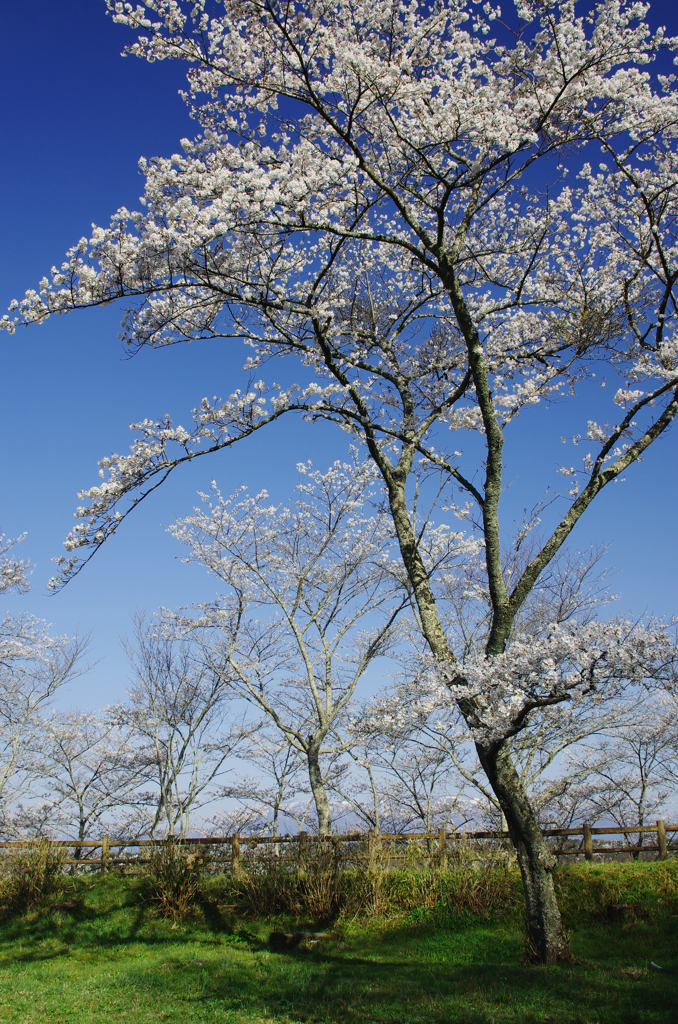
117,961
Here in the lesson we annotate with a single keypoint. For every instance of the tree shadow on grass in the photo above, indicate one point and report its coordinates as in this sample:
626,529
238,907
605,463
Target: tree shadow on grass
389,980
337,990
466,972
42,935
226,925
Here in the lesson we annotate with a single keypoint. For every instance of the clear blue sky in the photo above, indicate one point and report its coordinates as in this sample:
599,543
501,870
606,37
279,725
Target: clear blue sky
76,118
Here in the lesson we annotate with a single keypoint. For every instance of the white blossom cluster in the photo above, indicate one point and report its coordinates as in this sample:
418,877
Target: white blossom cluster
567,664
363,197
14,572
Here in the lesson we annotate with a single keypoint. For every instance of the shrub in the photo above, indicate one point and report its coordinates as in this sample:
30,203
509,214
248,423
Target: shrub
171,882
263,891
30,871
267,886
324,893
322,890
470,885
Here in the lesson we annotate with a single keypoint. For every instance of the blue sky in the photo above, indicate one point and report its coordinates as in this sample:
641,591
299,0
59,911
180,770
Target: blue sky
77,117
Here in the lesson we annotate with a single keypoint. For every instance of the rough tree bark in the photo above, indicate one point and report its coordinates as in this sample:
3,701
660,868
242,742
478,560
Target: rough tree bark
320,800
548,942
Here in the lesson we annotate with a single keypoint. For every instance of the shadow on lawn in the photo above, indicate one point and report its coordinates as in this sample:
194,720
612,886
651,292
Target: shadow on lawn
390,981
337,990
465,972
45,935
327,989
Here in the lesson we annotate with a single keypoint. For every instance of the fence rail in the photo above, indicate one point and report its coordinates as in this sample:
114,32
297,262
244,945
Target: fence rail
364,849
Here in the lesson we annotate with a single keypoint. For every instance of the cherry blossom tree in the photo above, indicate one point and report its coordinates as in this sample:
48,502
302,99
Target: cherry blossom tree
313,598
242,820
573,589
273,797
410,785
381,191
89,772
14,572
630,769
33,666
553,766
181,718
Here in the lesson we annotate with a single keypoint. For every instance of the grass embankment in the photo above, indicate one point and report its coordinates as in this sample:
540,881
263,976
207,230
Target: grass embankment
117,961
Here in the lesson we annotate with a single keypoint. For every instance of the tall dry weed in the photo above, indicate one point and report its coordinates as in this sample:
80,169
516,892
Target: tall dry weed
321,888
30,871
263,892
171,882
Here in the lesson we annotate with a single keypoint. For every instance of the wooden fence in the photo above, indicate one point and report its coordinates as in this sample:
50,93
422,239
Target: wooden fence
236,854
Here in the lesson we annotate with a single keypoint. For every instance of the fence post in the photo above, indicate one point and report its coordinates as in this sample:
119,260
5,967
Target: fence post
303,853
235,855
105,850
588,842
661,840
442,848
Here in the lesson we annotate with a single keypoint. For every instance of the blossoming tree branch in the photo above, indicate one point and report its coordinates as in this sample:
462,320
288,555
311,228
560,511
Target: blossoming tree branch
445,214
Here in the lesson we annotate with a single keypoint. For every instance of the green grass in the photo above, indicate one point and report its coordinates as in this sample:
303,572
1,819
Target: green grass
118,962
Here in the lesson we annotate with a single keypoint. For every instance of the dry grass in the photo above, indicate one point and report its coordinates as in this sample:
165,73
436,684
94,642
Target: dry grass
171,882
30,872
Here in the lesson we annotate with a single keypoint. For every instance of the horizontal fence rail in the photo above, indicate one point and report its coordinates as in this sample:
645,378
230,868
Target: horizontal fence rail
371,850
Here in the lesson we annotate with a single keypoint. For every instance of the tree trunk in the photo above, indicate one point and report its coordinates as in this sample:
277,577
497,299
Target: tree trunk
548,942
375,800
320,800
